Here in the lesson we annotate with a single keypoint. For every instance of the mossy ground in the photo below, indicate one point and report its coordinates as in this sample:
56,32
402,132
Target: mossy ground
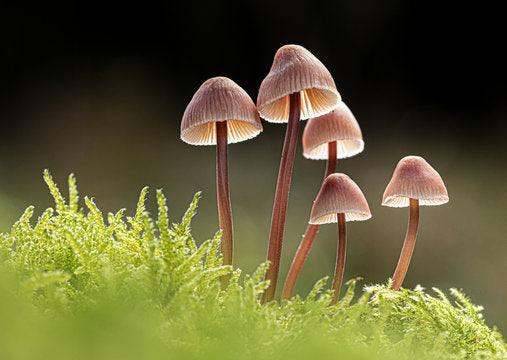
80,284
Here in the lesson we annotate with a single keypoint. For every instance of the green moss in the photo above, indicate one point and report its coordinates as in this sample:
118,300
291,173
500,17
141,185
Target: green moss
81,284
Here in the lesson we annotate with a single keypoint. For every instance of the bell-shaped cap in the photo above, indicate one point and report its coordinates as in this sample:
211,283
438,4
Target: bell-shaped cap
220,99
414,178
339,194
339,125
294,70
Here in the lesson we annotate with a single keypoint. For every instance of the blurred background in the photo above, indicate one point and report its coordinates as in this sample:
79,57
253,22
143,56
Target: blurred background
99,90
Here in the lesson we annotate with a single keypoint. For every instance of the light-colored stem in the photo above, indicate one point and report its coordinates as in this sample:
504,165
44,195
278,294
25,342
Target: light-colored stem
223,197
282,195
340,258
310,234
408,245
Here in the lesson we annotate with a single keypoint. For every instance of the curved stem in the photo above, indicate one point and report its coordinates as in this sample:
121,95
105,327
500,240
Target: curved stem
340,258
282,195
408,245
299,260
223,197
311,232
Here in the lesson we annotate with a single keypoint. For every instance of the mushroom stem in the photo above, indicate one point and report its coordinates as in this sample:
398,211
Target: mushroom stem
311,232
282,195
408,245
340,258
299,260
331,158
223,197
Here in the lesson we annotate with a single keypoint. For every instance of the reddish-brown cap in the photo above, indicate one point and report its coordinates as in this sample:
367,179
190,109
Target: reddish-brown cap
339,194
220,99
295,69
339,125
414,178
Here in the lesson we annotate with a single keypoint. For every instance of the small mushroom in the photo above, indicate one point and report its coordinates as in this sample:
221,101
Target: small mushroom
339,200
297,87
335,135
221,113
414,183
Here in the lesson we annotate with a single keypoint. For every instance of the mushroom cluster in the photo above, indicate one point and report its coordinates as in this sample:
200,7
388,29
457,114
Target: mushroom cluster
299,87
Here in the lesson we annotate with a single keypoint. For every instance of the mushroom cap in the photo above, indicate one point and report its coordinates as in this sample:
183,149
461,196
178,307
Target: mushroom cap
339,194
414,178
339,125
219,99
295,69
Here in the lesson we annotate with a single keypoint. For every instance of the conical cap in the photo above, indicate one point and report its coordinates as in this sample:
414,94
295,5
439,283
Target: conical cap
220,99
339,125
295,69
339,194
414,178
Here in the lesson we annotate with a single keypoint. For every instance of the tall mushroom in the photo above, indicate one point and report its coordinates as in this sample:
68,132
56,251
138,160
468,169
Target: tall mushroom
297,87
414,183
332,136
339,200
221,113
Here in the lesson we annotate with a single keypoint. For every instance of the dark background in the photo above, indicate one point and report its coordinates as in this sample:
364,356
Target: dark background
99,90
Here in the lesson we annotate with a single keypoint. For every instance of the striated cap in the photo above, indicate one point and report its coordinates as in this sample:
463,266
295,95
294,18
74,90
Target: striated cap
219,99
339,194
295,69
339,125
414,178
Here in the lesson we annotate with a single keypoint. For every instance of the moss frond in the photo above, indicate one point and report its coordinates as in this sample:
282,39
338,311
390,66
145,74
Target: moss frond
140,272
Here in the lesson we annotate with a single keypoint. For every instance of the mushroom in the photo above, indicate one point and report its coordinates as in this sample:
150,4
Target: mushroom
339,200
297,87
332,136
414,183
221,113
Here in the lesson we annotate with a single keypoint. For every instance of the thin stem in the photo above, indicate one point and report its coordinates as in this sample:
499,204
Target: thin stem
340,258
299,260
408,245
331,158
282,195
223,197
309,236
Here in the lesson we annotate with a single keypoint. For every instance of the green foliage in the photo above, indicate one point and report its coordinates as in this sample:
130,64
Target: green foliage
81,284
